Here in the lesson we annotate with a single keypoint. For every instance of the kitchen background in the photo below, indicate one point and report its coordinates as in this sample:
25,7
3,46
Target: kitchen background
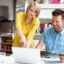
8,10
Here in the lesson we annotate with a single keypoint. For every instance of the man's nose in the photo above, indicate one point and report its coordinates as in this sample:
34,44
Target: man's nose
54,23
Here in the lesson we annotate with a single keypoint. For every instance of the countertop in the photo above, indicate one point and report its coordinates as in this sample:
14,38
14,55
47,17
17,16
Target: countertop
10,60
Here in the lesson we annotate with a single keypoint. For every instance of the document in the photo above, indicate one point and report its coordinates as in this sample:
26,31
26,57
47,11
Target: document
51,57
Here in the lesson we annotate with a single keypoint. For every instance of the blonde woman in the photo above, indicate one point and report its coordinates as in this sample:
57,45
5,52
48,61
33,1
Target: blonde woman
26,25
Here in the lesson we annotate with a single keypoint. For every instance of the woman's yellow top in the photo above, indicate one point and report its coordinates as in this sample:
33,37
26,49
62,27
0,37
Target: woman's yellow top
27,29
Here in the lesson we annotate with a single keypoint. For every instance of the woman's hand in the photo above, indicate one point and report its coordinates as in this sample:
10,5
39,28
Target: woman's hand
62,58
23,42
28,43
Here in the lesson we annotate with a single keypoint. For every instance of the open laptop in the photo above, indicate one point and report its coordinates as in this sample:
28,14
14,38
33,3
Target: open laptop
26,55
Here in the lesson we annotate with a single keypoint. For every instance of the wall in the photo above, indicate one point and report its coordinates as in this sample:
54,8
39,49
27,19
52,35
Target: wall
2,13
8,3
6,26
46,13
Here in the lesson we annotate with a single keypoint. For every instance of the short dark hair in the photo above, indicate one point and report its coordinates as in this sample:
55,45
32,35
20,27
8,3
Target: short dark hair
58,12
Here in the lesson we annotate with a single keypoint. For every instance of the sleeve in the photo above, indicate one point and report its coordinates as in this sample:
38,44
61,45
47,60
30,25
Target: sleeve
31,33
42,39
18,20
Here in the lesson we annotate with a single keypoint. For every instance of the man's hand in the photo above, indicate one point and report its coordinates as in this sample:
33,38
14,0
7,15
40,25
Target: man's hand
62,58
40,45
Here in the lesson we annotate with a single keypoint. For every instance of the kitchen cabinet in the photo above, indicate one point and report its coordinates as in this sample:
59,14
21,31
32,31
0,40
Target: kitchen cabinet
46,10
6,43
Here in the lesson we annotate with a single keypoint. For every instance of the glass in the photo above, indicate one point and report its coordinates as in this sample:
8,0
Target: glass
0,42
20,5
3,53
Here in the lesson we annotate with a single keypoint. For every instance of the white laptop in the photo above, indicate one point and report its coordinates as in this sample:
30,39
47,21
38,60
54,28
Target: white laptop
26,55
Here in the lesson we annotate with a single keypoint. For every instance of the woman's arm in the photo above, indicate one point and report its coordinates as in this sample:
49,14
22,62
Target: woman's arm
19,17
19,31
30,35
22,37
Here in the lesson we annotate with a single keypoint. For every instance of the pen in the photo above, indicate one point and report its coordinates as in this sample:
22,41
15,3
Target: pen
47,57
61,54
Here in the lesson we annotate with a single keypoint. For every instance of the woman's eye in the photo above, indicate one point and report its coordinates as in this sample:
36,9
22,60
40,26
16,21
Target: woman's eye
30,10
35,11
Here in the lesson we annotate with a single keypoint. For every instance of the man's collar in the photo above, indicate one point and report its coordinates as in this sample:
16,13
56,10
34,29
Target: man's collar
62,32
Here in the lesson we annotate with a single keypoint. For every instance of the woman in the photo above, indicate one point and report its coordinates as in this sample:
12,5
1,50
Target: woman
26,25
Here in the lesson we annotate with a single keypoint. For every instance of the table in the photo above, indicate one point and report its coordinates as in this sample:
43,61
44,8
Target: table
10,60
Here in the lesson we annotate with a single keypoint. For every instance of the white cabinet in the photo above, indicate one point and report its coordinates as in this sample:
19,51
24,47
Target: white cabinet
9,4
46,10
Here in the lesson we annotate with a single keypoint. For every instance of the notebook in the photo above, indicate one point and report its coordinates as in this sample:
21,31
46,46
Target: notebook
26,55
51,57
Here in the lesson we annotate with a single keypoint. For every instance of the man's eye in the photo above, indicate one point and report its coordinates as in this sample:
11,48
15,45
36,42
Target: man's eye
52,21
56,21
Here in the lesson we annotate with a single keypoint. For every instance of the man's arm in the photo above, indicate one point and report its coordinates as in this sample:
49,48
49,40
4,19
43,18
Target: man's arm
40,45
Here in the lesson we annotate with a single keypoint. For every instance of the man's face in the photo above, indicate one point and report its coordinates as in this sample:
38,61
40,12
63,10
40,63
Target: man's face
57,23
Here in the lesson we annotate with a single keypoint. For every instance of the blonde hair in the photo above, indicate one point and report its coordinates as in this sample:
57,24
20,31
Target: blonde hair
34,3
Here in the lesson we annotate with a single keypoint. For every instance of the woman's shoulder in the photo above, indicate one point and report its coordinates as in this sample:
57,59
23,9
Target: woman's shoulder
36,20
21,13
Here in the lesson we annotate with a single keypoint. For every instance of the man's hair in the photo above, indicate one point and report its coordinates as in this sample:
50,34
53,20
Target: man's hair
58,12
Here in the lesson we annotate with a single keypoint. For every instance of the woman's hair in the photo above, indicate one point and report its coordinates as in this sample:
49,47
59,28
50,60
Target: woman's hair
34,3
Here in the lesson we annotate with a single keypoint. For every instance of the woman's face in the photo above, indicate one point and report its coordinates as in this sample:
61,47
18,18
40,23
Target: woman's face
32,12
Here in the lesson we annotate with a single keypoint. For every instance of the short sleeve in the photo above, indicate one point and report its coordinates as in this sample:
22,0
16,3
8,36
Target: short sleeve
42,39
18,20
32,32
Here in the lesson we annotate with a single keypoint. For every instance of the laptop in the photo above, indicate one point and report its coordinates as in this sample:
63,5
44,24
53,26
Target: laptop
26,55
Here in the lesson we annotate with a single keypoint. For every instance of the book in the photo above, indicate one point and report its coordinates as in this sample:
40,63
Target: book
55,2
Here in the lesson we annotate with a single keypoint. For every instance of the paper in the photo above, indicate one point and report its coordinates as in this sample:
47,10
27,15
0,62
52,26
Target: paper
51,57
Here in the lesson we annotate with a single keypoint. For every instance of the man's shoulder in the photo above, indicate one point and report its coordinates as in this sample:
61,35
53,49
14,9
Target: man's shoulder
49,29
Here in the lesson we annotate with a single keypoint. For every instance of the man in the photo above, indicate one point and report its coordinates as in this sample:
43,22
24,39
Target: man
53,37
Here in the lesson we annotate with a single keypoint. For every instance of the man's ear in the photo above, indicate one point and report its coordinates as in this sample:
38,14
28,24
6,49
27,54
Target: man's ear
63,21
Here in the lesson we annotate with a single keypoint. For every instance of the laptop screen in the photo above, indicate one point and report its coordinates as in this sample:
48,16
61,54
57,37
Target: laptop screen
26,55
